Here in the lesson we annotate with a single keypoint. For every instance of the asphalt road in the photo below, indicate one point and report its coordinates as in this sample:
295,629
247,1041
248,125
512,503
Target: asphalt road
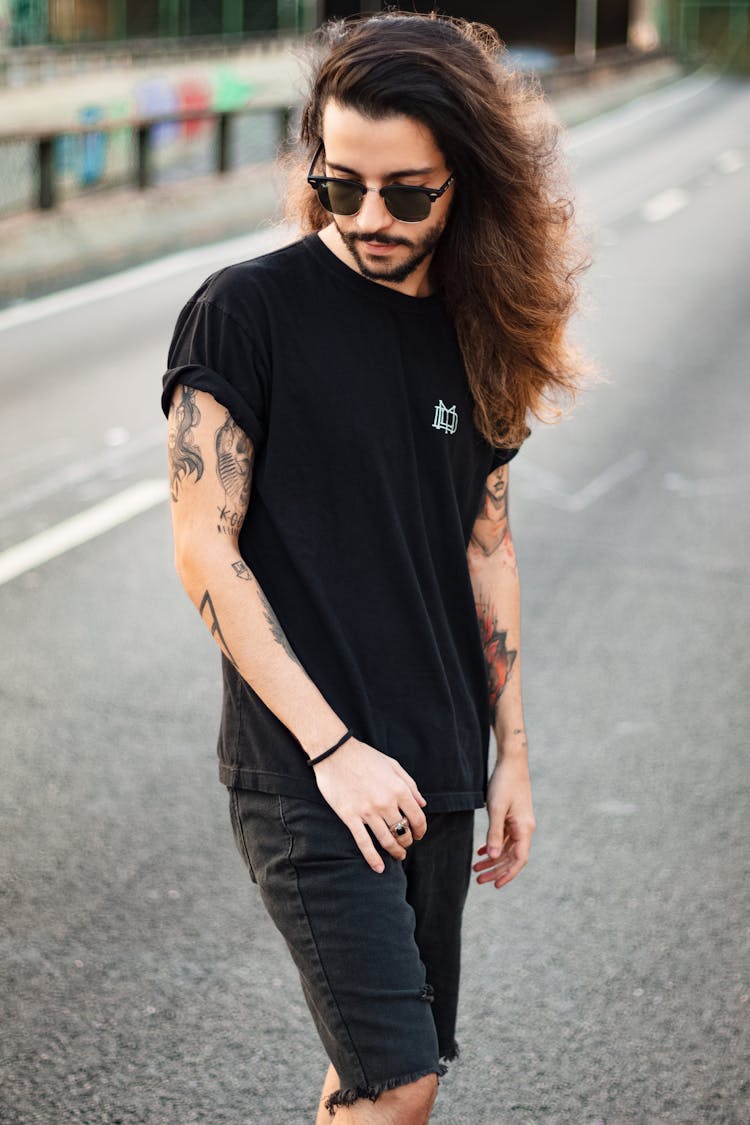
609,983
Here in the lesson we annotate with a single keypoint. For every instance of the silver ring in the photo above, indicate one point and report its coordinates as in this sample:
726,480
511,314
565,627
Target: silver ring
400,828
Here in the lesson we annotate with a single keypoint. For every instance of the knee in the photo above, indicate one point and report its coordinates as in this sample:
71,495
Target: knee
412,1104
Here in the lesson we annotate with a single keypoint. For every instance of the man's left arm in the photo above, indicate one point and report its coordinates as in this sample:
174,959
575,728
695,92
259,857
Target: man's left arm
494,578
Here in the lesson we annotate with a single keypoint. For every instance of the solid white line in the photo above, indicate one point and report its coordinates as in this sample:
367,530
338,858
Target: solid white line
664,205
79,471
232,249
81,528
646,105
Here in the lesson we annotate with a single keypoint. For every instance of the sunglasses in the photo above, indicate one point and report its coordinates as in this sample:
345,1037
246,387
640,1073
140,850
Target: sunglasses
344,197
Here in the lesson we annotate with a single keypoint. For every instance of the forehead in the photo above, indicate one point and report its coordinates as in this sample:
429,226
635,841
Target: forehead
377,146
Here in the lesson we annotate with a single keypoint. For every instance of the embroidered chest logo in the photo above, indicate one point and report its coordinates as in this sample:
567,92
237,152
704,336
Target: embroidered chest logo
446,418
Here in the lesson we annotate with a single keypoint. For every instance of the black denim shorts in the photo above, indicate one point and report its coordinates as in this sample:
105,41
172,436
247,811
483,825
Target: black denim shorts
378,955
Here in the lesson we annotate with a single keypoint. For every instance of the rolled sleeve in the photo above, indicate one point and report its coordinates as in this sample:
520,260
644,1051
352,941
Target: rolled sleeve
213,351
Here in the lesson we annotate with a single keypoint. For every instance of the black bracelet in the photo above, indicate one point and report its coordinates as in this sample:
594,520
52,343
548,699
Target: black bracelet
327,753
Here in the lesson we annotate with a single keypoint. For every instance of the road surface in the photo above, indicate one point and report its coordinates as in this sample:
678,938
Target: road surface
609,983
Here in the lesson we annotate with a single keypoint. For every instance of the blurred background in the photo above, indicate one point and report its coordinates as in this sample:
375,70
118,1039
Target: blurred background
142,982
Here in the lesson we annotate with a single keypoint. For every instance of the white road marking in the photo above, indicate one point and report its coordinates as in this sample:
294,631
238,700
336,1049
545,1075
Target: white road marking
664,205
232,249
705,486
640,108
603,483
729,162
80,471
550,488
81,528
614,807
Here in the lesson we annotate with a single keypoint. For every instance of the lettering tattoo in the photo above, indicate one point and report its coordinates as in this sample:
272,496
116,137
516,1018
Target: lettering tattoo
184,455
234,465
208,613
492,526
498,657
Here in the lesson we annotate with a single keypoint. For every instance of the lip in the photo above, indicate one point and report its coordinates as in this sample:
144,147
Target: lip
378,247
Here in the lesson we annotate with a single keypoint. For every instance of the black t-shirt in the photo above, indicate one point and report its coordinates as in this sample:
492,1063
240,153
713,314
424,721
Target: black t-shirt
367,479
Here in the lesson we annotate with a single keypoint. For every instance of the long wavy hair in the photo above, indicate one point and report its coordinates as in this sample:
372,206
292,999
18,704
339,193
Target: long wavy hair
507,263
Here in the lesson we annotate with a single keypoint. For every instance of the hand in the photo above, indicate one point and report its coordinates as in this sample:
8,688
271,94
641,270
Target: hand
367,789
506,851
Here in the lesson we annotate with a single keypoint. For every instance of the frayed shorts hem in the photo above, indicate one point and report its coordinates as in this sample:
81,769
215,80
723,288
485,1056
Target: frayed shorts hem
352,1095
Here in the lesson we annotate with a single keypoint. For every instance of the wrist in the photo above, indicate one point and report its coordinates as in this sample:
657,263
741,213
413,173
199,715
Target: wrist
512,744
325,754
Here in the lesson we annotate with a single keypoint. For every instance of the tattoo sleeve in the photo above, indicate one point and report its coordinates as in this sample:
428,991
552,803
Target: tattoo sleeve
234,464
184,455
499,658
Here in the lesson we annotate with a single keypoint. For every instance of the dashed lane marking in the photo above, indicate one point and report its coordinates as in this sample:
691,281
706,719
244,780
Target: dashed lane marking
540,484
664,205
81,528
729,161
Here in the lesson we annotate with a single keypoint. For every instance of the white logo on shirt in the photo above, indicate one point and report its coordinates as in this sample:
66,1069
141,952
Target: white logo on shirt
445,418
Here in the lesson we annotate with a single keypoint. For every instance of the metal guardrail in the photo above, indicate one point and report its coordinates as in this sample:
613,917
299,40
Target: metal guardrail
39,156
143,131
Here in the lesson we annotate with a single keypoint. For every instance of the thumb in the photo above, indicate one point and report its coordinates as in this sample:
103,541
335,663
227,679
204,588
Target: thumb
496,837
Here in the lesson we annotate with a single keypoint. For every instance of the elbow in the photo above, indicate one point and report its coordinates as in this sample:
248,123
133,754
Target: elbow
190,572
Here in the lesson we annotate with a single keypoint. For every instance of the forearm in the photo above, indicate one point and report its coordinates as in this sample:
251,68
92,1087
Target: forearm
497,596
236,612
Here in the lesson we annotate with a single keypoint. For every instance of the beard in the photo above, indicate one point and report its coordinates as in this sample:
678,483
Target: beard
420,250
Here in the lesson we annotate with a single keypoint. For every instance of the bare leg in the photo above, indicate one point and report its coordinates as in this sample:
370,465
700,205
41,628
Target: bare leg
406,1105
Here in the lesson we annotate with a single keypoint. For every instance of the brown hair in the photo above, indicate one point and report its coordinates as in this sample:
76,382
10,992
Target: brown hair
506,264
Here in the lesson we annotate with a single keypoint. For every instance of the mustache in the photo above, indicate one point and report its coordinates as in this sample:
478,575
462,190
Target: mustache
383,239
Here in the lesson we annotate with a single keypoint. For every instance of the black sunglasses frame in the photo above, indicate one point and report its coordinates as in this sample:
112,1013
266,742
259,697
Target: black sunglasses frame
320,182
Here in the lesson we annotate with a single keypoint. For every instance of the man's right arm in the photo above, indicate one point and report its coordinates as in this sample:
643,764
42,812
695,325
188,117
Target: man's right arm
210,467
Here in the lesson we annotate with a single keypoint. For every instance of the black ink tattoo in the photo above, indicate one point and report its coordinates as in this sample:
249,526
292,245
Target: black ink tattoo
277,632
213,623
234,463
242,571
498,657
184,455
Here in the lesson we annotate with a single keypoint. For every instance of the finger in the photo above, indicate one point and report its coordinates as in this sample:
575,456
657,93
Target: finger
484,864
508,876
491,875
363,840
416,818
403,838
386,839
410,782
496,837
505,876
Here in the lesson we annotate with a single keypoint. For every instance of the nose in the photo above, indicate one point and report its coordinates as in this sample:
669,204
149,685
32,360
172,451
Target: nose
373,214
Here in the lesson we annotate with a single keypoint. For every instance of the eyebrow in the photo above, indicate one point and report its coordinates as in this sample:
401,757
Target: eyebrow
402,174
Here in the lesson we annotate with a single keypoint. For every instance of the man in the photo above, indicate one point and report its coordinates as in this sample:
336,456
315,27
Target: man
341,416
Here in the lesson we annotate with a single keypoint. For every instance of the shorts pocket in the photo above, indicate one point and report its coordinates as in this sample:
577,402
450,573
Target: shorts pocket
239,832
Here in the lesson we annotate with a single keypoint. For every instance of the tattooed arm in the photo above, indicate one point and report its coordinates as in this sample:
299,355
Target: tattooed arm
210,467
494,578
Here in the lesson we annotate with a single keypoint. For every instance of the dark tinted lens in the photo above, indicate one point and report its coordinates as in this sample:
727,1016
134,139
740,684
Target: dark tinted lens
408,206
341,199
